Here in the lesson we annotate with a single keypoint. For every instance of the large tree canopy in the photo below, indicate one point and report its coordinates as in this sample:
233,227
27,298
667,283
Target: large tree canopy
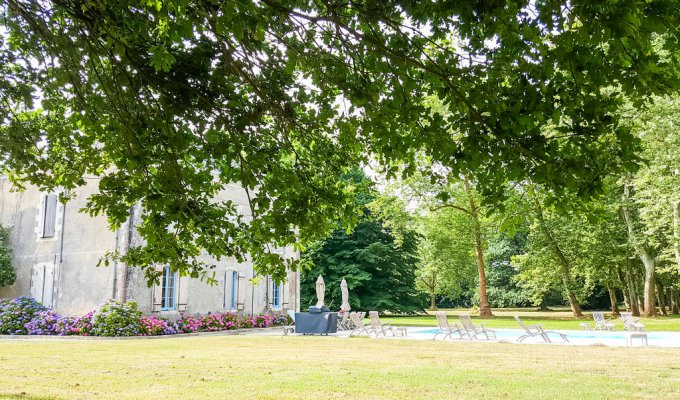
169,101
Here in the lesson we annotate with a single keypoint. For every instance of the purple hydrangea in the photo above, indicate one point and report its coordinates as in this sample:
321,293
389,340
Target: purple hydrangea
16,313
44,323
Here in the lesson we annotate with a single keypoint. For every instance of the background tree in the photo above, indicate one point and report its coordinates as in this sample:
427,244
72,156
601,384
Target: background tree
546,227
7,273
650,204
447,261
504,290
433,188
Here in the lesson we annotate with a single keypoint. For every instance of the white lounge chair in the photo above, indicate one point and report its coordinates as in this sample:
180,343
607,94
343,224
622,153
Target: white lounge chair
631,323
601,323
378,327
445,328
344,323
537,331
358,325
473,331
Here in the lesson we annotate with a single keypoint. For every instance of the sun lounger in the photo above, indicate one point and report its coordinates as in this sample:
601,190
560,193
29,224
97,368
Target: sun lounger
358,325
537,331
344,323
445,329
601,323
474,331
631,323
378,327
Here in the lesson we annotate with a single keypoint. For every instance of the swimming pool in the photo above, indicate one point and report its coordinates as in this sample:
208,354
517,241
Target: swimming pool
608,338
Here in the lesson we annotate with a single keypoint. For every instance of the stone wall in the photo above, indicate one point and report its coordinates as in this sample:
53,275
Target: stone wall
61,271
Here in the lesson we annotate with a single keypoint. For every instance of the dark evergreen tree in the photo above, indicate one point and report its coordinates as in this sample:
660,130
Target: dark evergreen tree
380,271
380,275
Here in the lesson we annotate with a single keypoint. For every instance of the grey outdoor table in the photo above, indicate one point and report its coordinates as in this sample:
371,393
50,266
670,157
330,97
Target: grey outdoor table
316,323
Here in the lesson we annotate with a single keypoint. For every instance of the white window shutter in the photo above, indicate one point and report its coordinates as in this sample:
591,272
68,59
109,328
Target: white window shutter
157,294
49,216
182,293
241,290
37,282
42,283
226,287
284,298
48,287
270,294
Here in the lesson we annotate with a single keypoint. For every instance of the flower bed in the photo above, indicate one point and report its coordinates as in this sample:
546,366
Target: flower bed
25,316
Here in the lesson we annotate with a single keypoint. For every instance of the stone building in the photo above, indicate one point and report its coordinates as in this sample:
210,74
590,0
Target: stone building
57,249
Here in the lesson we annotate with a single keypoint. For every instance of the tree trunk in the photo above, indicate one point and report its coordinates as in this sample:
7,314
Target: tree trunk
624,290
641,305
565,267
672,295
645,257
626,299
650,280
661,297
484,309
613,300
431,284
676,232
542,306
632,293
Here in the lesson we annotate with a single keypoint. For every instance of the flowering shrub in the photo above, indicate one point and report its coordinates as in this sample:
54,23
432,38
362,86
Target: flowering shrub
16,313
25,316
76,325
188,324
220,322
116,319
281,320
152,326
44,323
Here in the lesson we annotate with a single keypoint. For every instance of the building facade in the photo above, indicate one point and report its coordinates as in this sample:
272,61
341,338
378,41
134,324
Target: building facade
57,249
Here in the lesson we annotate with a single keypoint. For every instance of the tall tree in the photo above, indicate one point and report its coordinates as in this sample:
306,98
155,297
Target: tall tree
447,257
650,196
169,101
645,254
435,188
565,265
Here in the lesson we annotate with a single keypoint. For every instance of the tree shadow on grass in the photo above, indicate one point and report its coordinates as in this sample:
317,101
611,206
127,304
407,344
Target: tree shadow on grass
25,396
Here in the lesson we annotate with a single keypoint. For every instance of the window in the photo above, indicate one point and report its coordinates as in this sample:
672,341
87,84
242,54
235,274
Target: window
234,286
276,295
49,216
169,290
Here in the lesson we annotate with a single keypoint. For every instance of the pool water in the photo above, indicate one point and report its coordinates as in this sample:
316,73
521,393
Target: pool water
661,339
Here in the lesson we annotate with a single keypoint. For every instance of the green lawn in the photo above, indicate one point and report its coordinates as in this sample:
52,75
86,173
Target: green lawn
266,367
557,319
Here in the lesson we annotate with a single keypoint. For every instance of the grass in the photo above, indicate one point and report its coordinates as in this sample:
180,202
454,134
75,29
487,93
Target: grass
270,367
559,318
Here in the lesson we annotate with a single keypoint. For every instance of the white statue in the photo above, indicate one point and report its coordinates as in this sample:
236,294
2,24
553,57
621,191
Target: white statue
320,291
345,296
